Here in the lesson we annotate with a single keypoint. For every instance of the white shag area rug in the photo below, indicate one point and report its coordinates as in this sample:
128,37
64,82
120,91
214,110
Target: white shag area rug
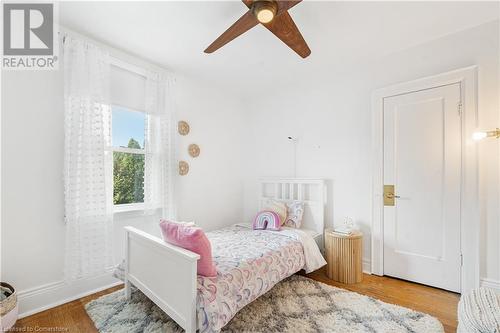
297,304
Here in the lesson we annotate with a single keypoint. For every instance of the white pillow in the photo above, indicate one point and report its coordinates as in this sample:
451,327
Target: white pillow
295,212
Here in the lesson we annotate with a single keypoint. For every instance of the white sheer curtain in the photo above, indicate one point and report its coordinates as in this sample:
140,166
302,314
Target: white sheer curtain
159,164
87,185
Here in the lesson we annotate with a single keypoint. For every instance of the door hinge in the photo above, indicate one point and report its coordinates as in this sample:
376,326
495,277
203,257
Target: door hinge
461,260
459,108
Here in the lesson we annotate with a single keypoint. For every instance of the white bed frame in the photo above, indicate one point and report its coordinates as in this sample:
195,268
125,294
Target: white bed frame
166,274
312,192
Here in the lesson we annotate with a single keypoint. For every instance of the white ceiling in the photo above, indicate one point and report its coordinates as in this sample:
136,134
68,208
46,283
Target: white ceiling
174,34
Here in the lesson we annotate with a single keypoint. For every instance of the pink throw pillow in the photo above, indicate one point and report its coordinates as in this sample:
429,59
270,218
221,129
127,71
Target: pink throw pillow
192,239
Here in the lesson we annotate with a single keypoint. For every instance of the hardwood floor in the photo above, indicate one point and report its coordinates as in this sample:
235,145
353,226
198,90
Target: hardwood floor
71,317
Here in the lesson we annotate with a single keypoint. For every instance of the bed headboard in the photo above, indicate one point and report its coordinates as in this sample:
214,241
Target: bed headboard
311,191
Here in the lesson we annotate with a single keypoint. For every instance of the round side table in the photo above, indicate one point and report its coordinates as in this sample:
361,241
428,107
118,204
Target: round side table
344,256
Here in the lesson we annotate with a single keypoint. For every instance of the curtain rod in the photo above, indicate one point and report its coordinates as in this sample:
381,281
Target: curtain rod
120,58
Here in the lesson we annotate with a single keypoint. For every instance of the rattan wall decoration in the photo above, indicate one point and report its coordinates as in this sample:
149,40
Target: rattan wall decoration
183,127
183,168
194,150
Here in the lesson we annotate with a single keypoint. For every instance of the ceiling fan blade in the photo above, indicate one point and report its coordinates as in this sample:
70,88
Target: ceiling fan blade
244,23
248,3
285,29
283,6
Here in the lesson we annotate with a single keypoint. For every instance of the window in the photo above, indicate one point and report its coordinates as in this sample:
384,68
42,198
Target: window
128,155
141,175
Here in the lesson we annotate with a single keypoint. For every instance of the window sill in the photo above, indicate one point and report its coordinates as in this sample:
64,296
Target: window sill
128,211
128,208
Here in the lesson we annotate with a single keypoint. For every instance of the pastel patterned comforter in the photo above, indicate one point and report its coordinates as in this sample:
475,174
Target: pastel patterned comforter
249,263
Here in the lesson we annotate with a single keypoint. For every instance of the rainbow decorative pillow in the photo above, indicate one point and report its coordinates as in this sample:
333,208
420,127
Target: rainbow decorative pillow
278,207
267,220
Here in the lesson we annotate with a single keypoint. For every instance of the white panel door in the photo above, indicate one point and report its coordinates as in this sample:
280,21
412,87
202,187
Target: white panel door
422,147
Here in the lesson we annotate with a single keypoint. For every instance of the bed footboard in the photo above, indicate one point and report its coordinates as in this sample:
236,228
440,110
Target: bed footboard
165,273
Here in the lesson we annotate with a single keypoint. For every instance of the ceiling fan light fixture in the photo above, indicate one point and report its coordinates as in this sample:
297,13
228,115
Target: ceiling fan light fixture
265,10
274,16
265,15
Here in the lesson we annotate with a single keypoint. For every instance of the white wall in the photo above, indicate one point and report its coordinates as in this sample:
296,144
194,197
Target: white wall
211,194
32,229
330,113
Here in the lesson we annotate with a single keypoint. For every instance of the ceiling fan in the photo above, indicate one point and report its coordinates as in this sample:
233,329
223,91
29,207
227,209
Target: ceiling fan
274,16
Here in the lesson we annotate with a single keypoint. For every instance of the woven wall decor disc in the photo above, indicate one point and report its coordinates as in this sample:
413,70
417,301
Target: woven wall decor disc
183,127
183,168
194,150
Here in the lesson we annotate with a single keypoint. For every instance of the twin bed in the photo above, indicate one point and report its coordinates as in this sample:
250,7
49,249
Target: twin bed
249,262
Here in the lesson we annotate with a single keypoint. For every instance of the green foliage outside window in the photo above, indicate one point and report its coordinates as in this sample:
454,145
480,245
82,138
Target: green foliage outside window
128,176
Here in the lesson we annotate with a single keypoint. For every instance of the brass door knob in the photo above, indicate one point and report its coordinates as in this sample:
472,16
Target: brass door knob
389,195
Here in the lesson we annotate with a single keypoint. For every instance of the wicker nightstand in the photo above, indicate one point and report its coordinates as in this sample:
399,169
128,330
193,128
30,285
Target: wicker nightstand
344,256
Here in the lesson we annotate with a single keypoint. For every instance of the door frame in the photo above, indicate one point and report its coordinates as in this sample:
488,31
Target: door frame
469,210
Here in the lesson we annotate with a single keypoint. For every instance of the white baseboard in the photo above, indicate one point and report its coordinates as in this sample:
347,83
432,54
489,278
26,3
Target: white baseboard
367,266
484,282
492,284
50,295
